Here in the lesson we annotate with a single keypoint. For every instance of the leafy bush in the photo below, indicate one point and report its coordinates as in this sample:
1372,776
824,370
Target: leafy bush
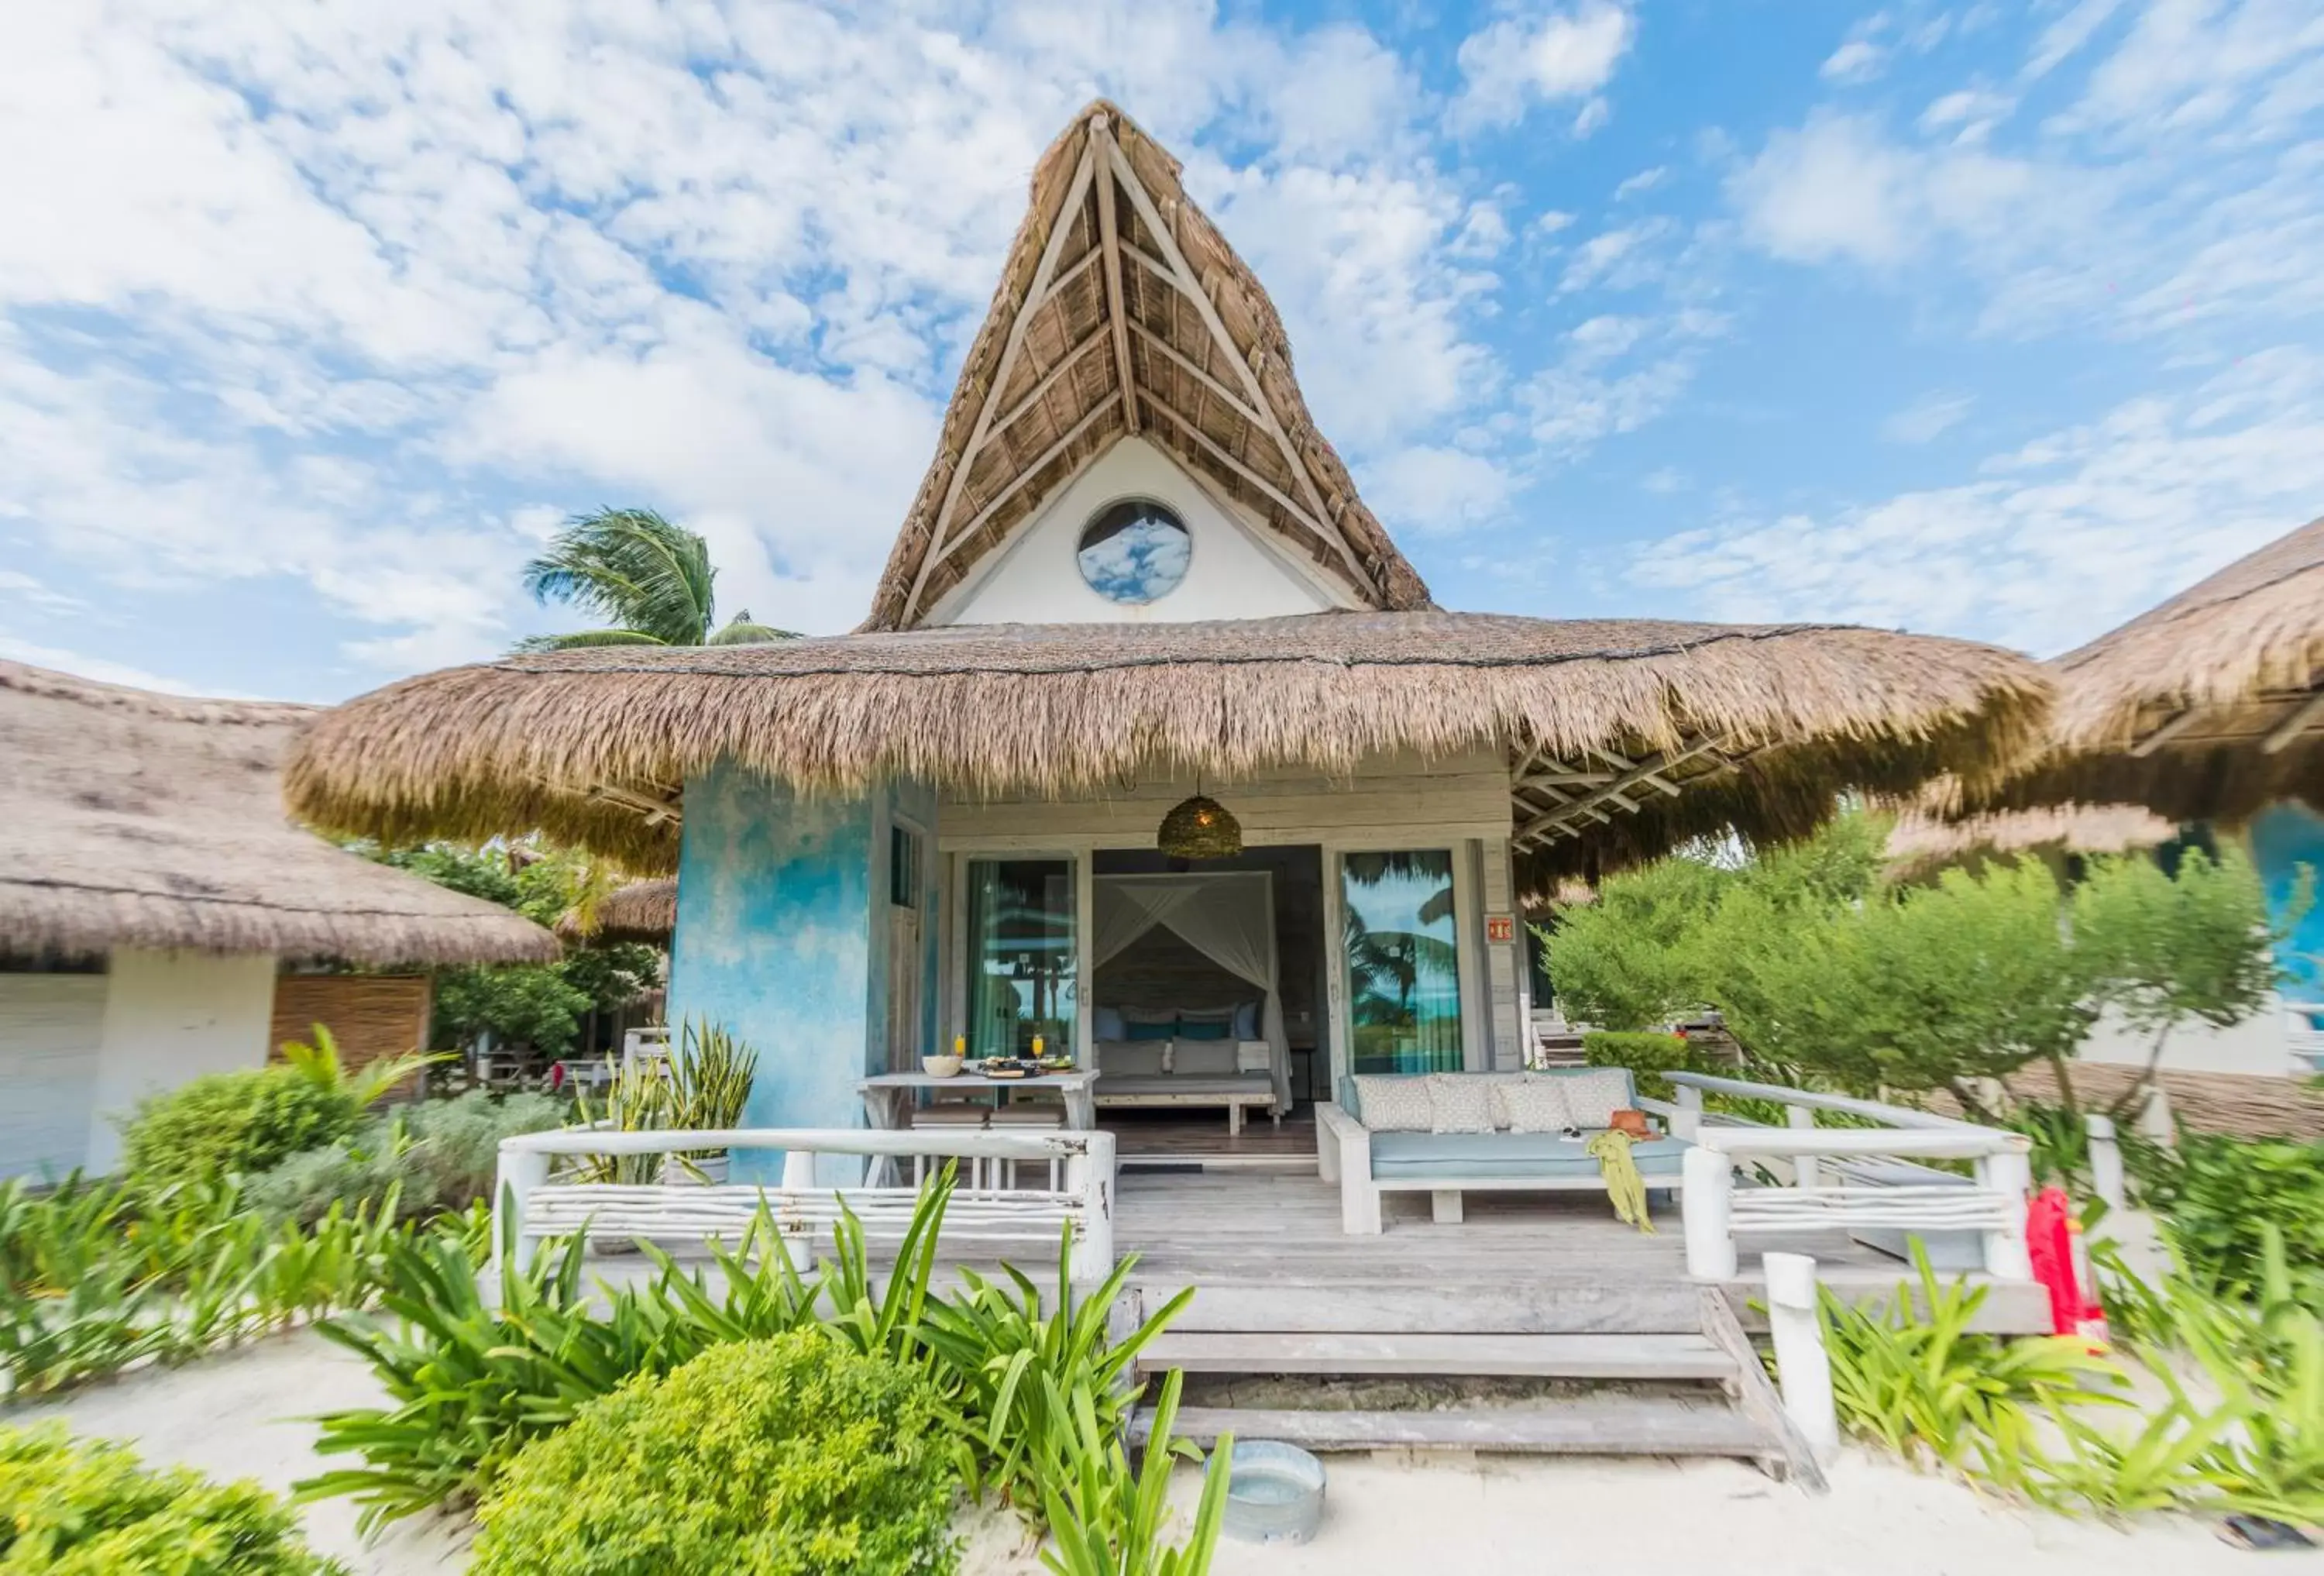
1647,1055
232,1124
794,1456
89,1508
437,1155
2221,1198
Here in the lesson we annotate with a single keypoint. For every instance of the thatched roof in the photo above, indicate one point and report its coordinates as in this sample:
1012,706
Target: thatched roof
1921,841
134,819
1624,736
644,911
2209,707
1122,310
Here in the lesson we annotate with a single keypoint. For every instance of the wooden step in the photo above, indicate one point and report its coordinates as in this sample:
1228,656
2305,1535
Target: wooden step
1517,1304
1589,1425
1565,1357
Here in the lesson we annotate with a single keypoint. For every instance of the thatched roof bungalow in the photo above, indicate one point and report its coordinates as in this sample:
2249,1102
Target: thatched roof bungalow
150,888
1138,626
1922,841
643,911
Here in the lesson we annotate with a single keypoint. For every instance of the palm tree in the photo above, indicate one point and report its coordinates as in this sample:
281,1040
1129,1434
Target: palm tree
650,577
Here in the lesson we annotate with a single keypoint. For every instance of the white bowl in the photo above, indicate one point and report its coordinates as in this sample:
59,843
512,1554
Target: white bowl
940,1066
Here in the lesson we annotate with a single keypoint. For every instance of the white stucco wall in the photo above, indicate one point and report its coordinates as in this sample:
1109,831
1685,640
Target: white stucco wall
169,1016
1231,573
2258,1045
49,1028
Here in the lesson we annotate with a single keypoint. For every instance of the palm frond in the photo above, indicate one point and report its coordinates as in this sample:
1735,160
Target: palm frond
632,566
580,638
739,630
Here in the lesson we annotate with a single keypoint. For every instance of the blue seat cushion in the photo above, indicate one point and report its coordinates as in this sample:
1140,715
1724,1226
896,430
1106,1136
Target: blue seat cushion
1494,1157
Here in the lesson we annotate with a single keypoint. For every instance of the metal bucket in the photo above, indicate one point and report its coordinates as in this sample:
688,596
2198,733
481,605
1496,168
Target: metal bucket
1274,1493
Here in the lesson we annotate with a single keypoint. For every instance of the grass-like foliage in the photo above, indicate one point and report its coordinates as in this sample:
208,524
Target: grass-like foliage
2222,1200
232,1124
1108,1520
89,1509
793,1456
434,1155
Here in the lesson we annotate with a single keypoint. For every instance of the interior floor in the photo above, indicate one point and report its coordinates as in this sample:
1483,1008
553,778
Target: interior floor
1166,1135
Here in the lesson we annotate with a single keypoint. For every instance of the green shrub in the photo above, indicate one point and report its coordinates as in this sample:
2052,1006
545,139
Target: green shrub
438,1155
789,1457
1648,1055
232,1124
88,1509
2218,1197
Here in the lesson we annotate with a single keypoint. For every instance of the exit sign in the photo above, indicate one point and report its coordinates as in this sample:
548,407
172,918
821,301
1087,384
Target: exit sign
1500,927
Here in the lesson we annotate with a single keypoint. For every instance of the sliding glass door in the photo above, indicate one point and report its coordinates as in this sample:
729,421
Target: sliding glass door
1402,953
1022,955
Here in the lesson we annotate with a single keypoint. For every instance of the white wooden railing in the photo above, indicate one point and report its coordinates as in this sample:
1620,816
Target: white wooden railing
1845,1179
1026,1221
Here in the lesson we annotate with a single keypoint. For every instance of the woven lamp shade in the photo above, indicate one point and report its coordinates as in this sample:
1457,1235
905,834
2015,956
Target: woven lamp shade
1200,828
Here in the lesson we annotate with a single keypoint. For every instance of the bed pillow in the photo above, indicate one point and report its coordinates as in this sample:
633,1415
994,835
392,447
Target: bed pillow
1594,1095
1126,1059
1458,1103
1108,1025
1534,1105
1246,1020
1207,1023
1203,1058
1394,1102
1134,1030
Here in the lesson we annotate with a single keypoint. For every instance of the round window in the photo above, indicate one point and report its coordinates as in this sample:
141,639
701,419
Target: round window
1135,551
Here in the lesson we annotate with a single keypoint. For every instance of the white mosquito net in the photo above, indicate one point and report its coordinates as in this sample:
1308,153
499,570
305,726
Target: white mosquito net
1227,915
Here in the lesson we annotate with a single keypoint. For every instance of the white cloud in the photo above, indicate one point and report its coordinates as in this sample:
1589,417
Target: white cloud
1593,117
2053,543
105,672
1643,181
1614,375
1969,115
1433,488
1857,60
1551,221
1927,418
1619,257
1563,53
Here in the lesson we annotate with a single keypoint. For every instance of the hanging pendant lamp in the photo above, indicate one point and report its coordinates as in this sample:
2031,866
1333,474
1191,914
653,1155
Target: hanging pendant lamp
1199,829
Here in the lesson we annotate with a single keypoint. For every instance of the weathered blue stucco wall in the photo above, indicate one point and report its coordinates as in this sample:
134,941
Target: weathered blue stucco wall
2283,837
782,938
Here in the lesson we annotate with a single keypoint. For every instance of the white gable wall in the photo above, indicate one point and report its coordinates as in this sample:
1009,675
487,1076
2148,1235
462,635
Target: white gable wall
1232,572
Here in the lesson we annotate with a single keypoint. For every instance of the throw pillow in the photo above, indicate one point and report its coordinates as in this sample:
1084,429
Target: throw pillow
1394,1102
1592,1096
1108,1025
1164,1030
1122,1059
1246,1020
1458,1103
1536,1105
1203,1058
1208,1023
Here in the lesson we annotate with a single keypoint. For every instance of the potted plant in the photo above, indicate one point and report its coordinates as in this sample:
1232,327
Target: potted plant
709,1077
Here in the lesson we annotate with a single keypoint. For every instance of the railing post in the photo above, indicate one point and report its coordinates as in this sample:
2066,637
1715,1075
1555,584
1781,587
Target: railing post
2010,1174
2106,1162
1088,1177
1801,1364
1688,1123
1805,1169
1707,1177
798,1182
521,1170
2154,1122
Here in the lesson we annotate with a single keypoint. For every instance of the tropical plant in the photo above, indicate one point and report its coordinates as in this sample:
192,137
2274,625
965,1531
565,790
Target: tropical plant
2221,1201
2167,950
1911,1377
320,1062
74,1506
1108,1520
710,1072
791,1456
1649,1057
438,1155
231,1124
650,578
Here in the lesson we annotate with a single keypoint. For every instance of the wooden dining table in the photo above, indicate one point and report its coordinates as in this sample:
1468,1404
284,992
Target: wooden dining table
889,1097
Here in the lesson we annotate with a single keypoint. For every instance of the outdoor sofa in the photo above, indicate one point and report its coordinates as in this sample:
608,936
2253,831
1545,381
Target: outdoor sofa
1398,1149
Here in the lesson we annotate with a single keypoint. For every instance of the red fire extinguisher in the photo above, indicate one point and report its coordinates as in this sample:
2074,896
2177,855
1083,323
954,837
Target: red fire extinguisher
2054,1243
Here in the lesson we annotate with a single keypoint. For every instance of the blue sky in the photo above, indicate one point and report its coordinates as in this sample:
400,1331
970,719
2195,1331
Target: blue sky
2001,321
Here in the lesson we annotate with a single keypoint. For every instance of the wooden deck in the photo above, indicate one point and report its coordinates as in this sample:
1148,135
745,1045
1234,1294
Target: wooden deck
1248,1238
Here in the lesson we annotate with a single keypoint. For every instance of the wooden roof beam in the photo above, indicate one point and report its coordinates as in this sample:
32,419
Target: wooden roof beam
2170,728
1026,472
2305,714
1110,238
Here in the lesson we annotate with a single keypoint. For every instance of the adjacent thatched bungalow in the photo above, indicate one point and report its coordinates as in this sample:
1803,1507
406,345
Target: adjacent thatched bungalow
2206,708
1151,733
642,911
151,893
1923,841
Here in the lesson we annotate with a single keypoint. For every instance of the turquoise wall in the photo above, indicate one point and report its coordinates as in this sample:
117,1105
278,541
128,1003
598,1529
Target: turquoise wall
2284,838
782,938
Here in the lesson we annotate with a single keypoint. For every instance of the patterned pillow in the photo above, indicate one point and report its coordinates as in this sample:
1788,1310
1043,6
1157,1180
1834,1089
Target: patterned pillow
1534,1105
1209,1023
1394,1103
1458,1103
1592,1097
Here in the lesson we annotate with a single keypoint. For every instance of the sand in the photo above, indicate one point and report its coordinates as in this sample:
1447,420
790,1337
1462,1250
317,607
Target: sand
237,1415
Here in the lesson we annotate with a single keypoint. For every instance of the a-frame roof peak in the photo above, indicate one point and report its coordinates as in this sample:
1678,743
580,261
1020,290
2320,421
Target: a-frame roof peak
1122,310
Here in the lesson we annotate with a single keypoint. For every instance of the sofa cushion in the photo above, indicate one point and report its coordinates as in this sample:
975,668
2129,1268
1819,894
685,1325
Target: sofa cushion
1534,1105
1121,1057
1202,1056
1392,1102
1458,1103
1494,1156
1592,1094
